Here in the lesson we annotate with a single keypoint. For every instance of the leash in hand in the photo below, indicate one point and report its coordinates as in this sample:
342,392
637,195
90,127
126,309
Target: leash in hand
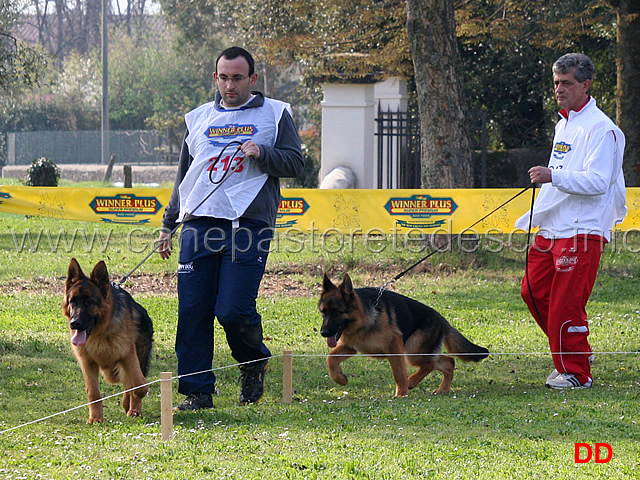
452,239
217,184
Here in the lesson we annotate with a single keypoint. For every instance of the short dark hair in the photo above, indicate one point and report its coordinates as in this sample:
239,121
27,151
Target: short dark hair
235,52
578,63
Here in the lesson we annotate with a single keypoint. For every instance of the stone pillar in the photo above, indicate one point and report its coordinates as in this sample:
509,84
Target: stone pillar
348,117
392,94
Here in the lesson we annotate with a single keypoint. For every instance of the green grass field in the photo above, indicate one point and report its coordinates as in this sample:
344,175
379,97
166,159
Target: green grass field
499,422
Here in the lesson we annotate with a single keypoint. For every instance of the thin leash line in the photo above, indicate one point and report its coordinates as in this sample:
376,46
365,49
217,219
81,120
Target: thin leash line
225,172
314,355
526,258
218,184
450,241
227,175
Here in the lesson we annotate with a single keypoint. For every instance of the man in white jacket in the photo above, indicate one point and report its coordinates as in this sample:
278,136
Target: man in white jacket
582,197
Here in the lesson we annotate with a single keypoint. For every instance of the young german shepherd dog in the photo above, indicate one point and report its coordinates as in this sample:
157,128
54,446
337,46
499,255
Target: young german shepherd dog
110,333
359,320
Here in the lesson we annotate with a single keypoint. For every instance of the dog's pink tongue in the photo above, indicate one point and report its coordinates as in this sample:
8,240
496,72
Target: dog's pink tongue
332,341
79,337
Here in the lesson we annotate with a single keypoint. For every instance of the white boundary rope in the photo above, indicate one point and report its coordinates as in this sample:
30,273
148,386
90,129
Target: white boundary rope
286,384
76,408
177,377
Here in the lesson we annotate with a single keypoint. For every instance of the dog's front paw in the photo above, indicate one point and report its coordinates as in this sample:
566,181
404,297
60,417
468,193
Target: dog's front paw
340,378
95,420
401,390
441,391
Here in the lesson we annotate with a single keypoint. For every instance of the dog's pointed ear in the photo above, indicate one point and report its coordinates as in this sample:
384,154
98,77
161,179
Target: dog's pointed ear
74,273
346,286
327,284
100,277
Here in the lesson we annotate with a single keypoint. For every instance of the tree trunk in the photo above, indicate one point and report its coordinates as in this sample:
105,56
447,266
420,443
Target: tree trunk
445,145
628,103
61,46
93,23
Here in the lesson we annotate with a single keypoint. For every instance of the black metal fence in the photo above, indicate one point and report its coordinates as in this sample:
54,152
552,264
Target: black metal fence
398,149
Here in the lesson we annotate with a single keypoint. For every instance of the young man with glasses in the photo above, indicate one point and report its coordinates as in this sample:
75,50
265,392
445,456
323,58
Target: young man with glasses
226,234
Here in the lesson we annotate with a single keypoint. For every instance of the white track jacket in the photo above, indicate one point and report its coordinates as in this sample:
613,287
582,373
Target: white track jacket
587,191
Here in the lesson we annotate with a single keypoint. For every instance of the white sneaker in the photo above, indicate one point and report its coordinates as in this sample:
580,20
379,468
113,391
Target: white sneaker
566,380
555,372
552,375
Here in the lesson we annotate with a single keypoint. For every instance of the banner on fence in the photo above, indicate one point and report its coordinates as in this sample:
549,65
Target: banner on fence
136,206
354,211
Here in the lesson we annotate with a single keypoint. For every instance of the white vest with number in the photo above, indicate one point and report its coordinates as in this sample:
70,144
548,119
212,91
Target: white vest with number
210,129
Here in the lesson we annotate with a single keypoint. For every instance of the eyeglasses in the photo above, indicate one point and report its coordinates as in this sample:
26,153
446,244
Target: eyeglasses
234,79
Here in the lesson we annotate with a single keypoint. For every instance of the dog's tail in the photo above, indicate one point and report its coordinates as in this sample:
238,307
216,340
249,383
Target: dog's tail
458,345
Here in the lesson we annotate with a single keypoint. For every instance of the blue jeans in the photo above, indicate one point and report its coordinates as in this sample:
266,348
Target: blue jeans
219,273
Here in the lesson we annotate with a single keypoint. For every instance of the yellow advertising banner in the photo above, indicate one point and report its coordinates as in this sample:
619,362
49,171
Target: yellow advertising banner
136,206
307,210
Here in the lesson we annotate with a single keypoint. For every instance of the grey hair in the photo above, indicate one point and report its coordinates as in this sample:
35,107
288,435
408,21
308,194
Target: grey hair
577,63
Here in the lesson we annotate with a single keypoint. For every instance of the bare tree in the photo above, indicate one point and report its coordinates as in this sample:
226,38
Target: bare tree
64,26
20,65
93,22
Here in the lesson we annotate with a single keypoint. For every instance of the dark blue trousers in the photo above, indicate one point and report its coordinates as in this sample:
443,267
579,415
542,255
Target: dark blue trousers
219,273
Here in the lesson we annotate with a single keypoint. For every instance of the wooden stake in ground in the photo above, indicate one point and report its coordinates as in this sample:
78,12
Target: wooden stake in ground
287,376
166,411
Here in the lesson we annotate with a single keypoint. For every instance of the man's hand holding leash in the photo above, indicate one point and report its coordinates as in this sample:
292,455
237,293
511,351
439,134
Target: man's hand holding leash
249,149
540,174
164,245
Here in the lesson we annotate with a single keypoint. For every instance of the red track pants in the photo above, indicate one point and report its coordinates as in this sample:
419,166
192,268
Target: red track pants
560,276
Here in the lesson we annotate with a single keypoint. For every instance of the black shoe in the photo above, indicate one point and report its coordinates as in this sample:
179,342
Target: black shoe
252,382
195,401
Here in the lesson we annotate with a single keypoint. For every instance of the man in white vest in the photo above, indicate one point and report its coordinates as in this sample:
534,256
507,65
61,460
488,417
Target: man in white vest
226,198
581,199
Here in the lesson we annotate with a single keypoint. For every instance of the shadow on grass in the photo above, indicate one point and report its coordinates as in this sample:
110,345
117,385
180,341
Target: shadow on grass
500,395
503,396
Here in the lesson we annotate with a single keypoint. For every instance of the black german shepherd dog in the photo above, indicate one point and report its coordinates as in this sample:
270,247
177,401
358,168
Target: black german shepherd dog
110,333
361,320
